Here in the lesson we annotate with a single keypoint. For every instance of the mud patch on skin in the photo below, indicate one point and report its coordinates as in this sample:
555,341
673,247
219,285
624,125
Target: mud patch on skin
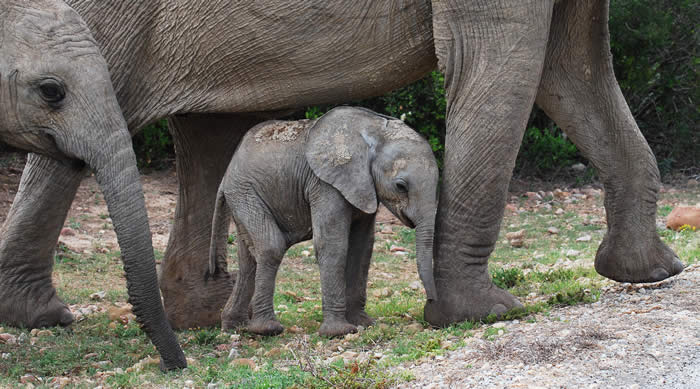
283,131
342,153
397,130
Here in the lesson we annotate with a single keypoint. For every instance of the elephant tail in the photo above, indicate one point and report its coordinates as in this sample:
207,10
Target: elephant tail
219,235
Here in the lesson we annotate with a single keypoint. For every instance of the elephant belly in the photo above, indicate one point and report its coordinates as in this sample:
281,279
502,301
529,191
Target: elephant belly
266,56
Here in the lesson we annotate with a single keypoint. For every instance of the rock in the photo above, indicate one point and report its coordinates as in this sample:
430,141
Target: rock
89,356
67,232
414,328
516,239
559,211
395,249
681,216
5,356
553,230
349,356
118,313
384,292
584,238
295,330
354,336
578,168
500,324
572,253
98,296
233,353
533,196
693,183
29,379
387,230
273,353
415,285
305,253
189,383
511,207
8,339
244,362
212,385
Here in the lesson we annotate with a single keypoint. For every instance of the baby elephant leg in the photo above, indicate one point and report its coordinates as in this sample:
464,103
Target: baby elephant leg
269,249
331,224
235,312
357,269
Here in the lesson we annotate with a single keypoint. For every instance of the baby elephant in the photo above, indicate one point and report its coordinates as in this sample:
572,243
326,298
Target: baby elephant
289,179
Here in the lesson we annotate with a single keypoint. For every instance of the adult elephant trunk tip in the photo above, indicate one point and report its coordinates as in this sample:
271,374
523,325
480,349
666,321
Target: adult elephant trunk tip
117,174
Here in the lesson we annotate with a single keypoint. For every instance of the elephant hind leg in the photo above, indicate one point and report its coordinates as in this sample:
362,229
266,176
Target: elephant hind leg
579,92
266,245
235,313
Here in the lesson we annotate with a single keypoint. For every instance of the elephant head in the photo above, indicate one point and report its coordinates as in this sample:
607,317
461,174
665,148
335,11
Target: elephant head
368,158
56,99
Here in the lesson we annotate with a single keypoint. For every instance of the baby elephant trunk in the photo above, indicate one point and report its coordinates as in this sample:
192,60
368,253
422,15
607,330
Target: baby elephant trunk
424,256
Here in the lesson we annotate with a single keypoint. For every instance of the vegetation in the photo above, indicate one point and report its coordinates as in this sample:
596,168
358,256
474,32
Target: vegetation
115,353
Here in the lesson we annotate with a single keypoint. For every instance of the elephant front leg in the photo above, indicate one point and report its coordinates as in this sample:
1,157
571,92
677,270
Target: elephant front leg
357,269
492,54
28,239
579,91
204,145
331,216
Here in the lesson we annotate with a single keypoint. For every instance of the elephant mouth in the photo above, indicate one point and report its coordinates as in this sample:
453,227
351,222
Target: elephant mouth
406,220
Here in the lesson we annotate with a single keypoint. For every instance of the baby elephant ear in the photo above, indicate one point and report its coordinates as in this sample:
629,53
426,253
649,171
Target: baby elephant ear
339,151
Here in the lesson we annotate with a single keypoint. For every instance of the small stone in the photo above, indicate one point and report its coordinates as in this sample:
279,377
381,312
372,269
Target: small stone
415,285
553,230
349,356
244,362
500,332
395,249
90,356
5,356
572,253
233,353
98,296
414,328
295,330
354,336
116,313
67,232
584,238
274,353
500,324
306,253
387,230
578,168
559,211
515,235
212,385
189,383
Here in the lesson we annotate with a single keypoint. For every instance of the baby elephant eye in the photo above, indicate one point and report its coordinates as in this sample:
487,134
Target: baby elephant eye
401,186
52,91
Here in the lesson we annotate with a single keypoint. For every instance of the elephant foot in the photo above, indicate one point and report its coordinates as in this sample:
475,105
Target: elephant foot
359,318
190,299
336,327
459,301
234,322
34,308
636,260
266,327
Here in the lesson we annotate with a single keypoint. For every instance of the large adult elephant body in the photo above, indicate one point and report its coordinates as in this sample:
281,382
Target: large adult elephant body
208,65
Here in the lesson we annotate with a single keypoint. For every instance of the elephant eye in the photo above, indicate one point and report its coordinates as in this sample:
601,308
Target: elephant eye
401,186
52,91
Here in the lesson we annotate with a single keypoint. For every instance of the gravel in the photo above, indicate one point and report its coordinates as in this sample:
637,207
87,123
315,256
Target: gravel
635,336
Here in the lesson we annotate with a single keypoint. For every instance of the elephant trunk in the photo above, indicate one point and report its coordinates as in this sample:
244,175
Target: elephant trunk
117,174
425,231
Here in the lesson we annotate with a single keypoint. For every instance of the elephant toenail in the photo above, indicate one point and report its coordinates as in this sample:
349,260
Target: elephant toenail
498,309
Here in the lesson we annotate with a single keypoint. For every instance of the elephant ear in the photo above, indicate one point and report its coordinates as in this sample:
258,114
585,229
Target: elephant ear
339,151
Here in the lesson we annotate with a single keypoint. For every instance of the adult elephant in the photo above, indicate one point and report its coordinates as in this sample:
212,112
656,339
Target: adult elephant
56,98
208,64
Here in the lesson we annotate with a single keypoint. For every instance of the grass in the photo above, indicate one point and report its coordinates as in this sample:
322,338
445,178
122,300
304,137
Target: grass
97,351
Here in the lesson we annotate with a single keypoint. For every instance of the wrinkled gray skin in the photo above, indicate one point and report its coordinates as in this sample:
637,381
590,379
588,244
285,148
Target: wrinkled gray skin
56,99
288,179
205,64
